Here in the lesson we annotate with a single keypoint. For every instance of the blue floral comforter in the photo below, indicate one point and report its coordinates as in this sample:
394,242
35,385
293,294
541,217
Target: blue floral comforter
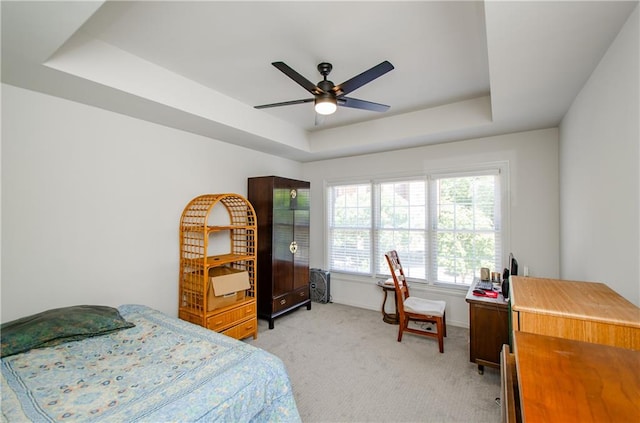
162,370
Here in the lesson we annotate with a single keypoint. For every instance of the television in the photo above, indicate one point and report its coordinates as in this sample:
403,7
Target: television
513,265
511,270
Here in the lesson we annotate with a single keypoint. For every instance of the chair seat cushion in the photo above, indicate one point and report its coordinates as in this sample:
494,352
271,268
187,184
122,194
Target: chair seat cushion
423,306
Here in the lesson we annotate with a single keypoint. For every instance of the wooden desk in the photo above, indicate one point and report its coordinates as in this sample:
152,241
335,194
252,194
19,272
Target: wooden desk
561,380
583,311
488,329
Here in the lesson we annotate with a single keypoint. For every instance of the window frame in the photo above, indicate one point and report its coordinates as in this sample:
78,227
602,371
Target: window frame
429,177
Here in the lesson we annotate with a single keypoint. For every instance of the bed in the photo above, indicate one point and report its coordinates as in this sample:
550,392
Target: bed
162,369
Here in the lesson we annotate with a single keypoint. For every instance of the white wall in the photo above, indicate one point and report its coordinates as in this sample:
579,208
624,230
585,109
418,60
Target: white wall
599,178
91,202
534,208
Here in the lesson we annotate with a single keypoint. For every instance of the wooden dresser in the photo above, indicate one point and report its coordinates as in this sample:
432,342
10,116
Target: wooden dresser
583,311
562,380
576,354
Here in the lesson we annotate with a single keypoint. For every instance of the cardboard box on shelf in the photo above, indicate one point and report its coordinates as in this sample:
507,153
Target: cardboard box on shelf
226,286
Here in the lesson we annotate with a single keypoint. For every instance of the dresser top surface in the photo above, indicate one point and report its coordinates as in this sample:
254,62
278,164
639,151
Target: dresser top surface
572,299
565,380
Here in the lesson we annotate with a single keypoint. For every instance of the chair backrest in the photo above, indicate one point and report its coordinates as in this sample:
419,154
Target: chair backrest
399,281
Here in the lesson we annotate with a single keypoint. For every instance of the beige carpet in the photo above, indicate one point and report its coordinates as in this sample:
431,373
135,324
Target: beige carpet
346,365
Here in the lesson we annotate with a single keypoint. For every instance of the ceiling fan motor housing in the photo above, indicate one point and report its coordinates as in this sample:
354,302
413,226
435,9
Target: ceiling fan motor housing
326,86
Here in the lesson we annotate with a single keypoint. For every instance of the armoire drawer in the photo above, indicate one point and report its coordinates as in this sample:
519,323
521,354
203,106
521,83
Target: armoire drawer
290,299
300,294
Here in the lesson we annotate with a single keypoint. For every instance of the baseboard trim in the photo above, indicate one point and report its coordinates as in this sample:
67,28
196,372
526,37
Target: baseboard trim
367,307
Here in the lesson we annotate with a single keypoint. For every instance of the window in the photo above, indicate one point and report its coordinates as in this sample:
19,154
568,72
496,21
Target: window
466,226
350,228
444,226
401,224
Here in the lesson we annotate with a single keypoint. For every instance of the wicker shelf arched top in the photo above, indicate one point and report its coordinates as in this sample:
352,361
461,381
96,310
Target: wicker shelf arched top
196,213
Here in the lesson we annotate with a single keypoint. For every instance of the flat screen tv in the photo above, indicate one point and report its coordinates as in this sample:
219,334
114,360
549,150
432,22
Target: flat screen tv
511,270
513,265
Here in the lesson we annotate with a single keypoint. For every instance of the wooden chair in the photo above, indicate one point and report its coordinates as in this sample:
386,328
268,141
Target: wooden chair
415,309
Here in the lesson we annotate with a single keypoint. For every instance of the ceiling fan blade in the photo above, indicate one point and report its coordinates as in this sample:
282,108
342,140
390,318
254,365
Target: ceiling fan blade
354,103
364,78
284,103
301,80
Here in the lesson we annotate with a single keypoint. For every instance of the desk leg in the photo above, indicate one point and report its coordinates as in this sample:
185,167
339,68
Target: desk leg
480,369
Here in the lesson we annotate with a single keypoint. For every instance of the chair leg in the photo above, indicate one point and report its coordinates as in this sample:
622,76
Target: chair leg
444,323
402,326
441,329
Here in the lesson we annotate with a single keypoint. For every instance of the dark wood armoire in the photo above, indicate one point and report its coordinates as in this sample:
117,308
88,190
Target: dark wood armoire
282,211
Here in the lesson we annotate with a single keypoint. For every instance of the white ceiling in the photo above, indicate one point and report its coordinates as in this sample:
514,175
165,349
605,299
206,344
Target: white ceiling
462,69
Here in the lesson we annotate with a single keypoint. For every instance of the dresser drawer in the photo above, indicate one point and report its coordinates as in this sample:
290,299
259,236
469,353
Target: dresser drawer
222,321
243,330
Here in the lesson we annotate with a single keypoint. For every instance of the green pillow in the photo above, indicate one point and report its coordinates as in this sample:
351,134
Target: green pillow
56,326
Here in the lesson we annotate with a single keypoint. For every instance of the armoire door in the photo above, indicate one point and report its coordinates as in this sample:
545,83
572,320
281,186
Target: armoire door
283,238
301,213
291,237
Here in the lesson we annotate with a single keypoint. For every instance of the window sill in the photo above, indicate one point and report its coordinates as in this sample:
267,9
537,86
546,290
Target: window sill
454,290
442,288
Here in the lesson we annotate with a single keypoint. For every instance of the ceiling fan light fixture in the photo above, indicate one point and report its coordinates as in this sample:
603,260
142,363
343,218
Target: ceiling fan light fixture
325,105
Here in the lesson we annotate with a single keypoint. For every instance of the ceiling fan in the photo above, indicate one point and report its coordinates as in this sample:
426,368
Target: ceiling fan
327,96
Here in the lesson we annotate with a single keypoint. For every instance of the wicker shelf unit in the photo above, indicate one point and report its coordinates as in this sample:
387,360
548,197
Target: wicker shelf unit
201,233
